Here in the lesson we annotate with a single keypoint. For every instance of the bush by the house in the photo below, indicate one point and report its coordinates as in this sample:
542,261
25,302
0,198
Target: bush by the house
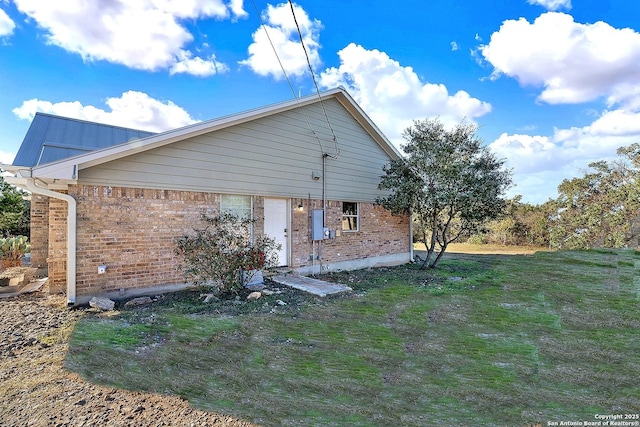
217,254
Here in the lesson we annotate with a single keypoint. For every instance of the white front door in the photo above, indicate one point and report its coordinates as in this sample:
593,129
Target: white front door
276,225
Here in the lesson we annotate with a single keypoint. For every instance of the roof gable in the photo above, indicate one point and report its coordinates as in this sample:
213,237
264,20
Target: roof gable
67,169
52,138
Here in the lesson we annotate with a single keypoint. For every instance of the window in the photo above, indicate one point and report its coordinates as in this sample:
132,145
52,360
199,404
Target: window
350,216
239,206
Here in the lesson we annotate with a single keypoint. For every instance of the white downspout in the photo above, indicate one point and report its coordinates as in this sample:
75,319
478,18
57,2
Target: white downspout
411,256
71,234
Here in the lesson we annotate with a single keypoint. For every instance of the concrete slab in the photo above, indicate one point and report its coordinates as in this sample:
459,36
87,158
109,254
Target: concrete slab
13,291
33,286
311,285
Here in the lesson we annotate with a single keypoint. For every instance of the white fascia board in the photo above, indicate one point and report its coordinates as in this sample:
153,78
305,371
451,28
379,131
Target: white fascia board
60,170
22,173
13,169
16,181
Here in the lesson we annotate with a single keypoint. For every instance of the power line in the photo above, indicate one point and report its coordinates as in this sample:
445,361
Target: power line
264,27
315,83
284,72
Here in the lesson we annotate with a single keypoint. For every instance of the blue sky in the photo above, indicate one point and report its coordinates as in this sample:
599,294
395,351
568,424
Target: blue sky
552,84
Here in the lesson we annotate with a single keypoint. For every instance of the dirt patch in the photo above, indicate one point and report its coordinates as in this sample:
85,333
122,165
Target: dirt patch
35,389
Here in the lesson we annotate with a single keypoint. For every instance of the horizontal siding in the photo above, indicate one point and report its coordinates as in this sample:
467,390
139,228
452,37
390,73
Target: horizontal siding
273,156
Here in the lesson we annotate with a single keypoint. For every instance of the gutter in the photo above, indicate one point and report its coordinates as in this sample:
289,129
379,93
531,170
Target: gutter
30,183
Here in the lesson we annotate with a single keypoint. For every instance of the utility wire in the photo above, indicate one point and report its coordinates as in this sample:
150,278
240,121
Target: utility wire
264,27
315,83
284,72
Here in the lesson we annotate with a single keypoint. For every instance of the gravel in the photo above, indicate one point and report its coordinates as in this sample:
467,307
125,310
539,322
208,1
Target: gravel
36,390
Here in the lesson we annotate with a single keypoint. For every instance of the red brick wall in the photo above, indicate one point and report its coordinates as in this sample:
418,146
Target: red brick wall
39,237
133,232
57,259
380,233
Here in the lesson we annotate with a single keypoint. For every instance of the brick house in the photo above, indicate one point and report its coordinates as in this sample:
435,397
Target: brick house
104,196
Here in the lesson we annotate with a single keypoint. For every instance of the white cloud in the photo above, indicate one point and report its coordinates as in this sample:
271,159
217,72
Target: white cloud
145,35
6,158
573,62
393,95
237,8
281,30
540,163
617,123
135,110
552,4
454,46
197,66
6,24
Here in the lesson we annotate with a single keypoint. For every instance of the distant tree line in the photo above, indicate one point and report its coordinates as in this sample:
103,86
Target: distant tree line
599,209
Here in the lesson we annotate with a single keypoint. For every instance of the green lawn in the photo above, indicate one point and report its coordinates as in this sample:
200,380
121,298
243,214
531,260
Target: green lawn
483,340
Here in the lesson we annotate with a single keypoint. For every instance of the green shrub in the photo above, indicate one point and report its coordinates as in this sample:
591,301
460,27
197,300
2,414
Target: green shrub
14,248
477,239
216,255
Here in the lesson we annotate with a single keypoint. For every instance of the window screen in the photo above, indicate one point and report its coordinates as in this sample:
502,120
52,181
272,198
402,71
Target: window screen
239,206
350,216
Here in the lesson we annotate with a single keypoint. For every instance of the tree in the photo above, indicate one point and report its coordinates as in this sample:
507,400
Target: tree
520,224
448,181
602,208
14,211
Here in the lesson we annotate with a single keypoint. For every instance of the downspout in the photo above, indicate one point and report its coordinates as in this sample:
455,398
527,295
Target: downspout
411,256
71,234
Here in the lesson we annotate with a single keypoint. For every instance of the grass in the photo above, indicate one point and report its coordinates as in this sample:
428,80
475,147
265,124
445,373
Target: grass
489,340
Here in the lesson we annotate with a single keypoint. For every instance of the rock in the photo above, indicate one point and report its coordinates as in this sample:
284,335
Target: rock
138,301
104,304
208,298
254,296
267,292
280,302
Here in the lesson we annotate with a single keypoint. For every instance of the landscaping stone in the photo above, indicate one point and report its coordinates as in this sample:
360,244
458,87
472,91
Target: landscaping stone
103,304
254,296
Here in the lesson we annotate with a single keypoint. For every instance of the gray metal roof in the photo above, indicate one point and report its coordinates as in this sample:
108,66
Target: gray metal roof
51,138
